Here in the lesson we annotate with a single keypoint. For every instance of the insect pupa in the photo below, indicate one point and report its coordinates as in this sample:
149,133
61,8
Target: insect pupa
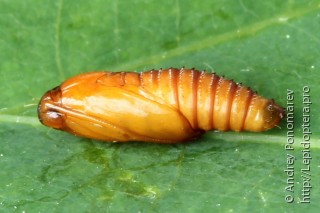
164,106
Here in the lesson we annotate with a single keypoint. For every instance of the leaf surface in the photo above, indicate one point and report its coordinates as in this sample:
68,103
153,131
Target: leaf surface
271,46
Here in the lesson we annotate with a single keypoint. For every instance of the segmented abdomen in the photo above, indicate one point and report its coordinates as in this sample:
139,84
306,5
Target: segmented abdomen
207,100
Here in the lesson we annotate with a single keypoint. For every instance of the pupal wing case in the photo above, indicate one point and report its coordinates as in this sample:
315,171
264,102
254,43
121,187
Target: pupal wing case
165,106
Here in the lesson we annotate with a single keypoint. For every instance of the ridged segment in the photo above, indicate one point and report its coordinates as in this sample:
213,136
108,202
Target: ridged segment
239,109
207,100
222,105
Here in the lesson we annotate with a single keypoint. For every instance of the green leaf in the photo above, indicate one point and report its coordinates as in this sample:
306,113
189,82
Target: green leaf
271,46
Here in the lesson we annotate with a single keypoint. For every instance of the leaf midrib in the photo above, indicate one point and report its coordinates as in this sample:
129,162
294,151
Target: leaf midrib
227,136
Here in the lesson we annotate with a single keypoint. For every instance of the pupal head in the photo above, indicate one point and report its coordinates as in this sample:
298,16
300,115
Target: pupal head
49,109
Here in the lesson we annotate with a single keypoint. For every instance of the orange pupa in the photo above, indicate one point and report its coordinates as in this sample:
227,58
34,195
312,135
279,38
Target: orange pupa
162,106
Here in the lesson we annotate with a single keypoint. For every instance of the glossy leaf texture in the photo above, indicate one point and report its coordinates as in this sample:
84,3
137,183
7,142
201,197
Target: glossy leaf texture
271,46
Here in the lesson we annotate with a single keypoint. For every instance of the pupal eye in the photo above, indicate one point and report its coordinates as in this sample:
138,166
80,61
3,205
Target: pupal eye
54,114
53,119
